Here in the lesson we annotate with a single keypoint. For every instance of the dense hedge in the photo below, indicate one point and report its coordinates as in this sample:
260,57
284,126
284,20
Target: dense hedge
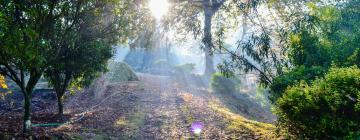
328,109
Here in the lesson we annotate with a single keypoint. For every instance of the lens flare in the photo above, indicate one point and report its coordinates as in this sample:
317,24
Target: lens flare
196,127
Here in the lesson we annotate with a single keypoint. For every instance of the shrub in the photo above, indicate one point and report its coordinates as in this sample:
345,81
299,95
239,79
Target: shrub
183,73
281,83
223,85
185,69
120,72
328,109
161,67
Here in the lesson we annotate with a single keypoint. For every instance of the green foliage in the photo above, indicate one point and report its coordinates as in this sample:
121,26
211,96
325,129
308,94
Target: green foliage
25,31
81,44
324,39
302,73
330,36
186,69
327,109
120,72
69,40
261,96
223,85
184,72
306,50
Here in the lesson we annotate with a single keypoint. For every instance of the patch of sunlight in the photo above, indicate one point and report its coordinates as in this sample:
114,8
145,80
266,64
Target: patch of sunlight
3,82
238,123
187,97
133,121
3,87
131,124
121,122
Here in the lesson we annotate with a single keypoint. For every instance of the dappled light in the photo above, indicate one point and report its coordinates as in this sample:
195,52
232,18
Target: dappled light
180,69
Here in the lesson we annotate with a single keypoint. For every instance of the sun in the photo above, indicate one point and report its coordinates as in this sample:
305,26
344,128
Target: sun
159,8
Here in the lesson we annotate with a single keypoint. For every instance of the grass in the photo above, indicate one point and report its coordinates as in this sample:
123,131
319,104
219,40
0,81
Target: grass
239,124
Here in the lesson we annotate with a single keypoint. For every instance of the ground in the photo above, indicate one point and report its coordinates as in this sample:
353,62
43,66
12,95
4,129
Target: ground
155,107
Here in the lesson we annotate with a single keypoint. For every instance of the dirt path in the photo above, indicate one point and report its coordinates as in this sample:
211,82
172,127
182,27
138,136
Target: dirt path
172,111
154,108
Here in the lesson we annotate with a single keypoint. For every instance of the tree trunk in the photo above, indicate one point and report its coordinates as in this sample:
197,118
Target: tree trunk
27,91
209,62
60,105
27,113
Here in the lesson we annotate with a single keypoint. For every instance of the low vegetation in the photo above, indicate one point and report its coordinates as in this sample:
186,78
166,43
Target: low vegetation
330,105
224,85
239,124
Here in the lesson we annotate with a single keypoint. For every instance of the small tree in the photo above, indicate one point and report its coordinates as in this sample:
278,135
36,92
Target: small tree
34,36
83,48
25,29
79,68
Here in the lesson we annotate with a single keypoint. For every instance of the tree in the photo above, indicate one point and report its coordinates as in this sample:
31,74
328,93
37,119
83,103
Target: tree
189,11
25,30
35,34
224,14
292,36
86,44
330,39
82,48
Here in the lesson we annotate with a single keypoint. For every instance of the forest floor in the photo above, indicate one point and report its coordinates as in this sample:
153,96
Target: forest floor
155,107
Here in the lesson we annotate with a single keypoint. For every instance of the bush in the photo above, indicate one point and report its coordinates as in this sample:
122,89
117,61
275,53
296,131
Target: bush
184,69
223,85
120,72
281,83
328,109
161,67
183,72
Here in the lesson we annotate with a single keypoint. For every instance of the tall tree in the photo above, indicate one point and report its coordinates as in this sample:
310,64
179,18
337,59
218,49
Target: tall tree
219,16
186,12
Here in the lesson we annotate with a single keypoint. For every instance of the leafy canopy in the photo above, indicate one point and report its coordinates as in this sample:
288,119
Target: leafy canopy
329,37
